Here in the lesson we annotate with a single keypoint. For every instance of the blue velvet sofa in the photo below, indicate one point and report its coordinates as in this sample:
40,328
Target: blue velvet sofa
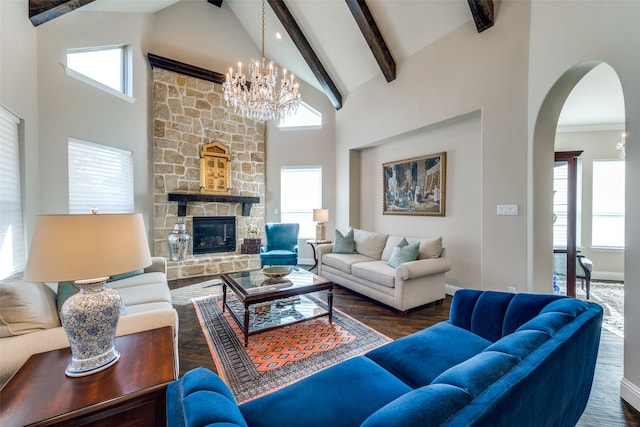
501,359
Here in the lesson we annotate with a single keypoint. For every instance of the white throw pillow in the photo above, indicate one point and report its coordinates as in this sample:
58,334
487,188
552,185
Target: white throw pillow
26,307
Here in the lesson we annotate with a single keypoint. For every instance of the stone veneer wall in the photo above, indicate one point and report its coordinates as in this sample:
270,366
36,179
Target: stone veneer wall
188,113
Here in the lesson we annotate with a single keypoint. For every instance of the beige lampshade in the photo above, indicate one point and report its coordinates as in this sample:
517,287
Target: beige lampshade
77,247
321,215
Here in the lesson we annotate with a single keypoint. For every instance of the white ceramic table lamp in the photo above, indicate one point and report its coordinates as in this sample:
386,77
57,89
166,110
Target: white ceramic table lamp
87,249
320,216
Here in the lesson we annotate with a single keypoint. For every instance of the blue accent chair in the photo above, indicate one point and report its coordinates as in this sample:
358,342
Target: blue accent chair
281,247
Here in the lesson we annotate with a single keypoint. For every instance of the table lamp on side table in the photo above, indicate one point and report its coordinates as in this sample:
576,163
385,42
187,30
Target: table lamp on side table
88,249
320,216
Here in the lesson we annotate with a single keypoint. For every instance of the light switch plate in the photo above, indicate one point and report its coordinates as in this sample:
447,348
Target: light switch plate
507,210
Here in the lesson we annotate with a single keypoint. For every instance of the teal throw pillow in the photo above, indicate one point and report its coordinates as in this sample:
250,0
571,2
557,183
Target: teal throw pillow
403,253
344,244
125,275
65,291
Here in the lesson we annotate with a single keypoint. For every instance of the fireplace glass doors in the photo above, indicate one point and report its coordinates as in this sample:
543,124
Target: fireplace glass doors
213,234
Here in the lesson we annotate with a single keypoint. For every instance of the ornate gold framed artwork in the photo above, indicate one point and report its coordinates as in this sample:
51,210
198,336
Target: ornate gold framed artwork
415,186
215,169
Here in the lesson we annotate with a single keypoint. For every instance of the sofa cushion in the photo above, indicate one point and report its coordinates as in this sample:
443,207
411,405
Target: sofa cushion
426,406
143,294
26,307
344,244
141,279
369,243
429,247
125,275
343,262
403,253
419,358
479,372
349,392
519,344
206,400
378,272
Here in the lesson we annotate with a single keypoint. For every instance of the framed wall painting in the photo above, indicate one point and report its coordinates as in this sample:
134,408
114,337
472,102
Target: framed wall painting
415,186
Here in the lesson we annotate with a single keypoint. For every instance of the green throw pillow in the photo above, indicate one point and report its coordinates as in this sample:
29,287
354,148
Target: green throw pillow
344,244
403,253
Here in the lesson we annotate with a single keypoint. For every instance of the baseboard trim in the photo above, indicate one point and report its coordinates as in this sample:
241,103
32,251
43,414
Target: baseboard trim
451,289
607,275
630,393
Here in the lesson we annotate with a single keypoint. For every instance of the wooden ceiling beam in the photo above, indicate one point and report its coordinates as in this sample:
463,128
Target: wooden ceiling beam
301,42
373,37
483,12
41,11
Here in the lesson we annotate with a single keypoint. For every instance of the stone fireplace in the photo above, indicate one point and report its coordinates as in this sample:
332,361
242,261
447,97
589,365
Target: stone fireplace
188,113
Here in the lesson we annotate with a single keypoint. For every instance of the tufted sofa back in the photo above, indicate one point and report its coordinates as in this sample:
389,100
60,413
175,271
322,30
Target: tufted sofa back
492,315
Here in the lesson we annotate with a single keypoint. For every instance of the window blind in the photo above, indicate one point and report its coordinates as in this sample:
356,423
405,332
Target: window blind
12,238
100,177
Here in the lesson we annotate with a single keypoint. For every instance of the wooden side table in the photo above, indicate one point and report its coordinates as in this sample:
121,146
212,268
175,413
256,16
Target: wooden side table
313,244
130,393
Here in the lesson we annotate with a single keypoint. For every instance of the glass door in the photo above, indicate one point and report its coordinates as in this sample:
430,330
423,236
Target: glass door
565,173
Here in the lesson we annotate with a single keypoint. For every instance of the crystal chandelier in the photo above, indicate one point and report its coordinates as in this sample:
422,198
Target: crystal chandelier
622,145
260,99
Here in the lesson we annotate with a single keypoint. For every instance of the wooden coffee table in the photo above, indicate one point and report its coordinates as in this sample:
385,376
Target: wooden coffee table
261,304
132,392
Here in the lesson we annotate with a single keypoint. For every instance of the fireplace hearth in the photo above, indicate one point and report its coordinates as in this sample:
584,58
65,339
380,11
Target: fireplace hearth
214,234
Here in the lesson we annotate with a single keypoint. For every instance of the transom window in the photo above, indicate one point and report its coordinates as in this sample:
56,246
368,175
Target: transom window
103,67
305,118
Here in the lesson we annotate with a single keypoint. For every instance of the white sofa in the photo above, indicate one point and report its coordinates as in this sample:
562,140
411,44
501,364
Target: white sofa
29,321
411,284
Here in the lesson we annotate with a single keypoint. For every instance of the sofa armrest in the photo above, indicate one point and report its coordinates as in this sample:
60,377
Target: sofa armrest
324,248
158,264
422,267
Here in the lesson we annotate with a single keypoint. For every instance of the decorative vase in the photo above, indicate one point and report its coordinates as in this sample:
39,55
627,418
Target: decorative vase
179,241
90,319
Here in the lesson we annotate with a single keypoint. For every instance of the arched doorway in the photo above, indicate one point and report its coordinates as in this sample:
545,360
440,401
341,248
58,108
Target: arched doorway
544,139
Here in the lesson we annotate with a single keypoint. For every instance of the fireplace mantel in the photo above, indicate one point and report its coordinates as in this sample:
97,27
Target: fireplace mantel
184,198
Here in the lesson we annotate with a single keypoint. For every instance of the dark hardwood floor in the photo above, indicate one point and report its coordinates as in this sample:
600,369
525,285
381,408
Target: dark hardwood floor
605,407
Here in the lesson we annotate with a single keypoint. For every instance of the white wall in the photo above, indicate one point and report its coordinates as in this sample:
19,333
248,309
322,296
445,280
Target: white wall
461,138
462,72
71,108
608,264
19,94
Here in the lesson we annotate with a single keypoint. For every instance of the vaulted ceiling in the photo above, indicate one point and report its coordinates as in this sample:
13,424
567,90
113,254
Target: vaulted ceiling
338,45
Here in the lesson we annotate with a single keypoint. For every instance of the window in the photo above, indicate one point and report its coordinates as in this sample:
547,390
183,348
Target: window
300,194
12,245
306,117
103,67
99,177
608,204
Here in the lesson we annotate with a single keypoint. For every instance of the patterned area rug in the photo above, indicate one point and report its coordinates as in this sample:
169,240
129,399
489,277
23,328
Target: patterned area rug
276,358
